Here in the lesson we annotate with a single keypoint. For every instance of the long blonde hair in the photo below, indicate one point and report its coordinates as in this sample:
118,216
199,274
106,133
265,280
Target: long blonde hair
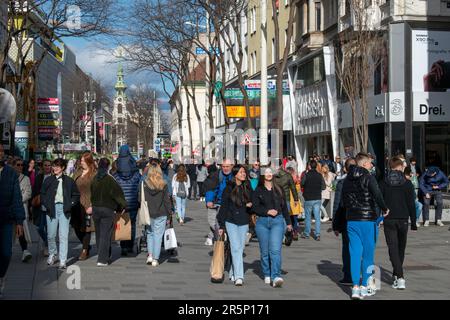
325,170
155,179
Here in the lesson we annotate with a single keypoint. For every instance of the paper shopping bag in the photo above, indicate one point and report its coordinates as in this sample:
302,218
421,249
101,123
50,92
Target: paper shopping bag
122,227
218,262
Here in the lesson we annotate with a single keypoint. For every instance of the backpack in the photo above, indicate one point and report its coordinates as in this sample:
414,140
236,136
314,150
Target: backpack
181,193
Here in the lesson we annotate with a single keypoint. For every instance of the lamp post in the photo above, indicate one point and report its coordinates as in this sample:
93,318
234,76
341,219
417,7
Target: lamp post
263,135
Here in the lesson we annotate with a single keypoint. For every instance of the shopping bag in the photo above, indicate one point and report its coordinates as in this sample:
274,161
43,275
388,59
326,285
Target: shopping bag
296,208
170,240
143,213
218,262
122,227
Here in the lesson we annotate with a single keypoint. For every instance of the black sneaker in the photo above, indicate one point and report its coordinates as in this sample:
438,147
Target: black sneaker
124,252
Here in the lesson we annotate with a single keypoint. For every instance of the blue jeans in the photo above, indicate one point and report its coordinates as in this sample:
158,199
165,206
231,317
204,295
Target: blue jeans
362,237
270,232
130,243
419,207
237,235
52,227
314,206
155,233
181,207
6,242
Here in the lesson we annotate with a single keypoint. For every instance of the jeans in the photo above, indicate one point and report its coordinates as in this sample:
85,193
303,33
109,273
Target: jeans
52,224
237,235
129,244
104,226
396,233
181,207
6,242
419,207
314,206
155,233
439,204
213,225
362,240
270,232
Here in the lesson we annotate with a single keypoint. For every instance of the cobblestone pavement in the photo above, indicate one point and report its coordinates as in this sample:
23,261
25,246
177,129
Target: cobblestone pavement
312,270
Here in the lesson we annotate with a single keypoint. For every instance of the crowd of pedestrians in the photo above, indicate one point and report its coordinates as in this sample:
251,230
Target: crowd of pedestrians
268,204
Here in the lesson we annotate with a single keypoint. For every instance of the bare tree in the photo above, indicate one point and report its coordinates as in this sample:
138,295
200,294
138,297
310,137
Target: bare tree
140,110
357,55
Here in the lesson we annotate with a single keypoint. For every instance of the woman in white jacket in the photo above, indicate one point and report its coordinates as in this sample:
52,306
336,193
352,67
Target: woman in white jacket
25,188
180,187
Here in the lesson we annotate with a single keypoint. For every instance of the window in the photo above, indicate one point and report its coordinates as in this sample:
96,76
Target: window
311,72
318,13
254,19
119,120
285,37
251,64
119,109
377,79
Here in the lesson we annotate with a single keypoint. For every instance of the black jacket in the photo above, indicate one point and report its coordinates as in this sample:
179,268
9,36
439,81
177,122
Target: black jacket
399,194
313,184
339,218
11,205
229,211
158,201
264,200
361,195
70,193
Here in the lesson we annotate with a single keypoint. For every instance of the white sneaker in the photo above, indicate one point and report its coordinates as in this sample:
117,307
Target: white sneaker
26,256
99,264
267,280
149,259
324,219
52,260
2,286
238,282
426,223
208,242
155,263
418,224
439,223
62,265
401,284
278,282
356,293
248,238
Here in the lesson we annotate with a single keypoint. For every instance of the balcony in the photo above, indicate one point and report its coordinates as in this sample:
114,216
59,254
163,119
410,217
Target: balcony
312,40
385,12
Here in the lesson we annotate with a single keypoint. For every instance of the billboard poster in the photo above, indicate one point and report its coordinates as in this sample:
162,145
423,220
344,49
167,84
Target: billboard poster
48,118
21,139
431,75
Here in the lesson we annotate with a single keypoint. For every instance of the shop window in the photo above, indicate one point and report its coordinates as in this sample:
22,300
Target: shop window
377,79
311,72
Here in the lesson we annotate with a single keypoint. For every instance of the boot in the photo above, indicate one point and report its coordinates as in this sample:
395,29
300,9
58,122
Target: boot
84,255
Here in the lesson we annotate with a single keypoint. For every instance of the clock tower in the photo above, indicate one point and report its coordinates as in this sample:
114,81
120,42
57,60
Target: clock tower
120,111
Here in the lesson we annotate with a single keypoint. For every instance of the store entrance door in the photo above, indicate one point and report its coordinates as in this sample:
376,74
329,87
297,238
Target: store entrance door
437,147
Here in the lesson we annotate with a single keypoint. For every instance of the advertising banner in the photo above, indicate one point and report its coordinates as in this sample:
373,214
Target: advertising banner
48,118
431,75
52,101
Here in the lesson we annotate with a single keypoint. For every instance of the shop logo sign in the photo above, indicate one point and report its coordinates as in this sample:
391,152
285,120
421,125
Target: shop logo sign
396,107
379,111
437,110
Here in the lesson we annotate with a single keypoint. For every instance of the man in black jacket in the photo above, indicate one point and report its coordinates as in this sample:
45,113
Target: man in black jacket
399,195
312,184
340,223
11,213
360,196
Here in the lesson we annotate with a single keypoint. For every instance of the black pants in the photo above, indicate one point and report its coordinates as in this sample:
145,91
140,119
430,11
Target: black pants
23,243
201,189
346,256
396,233
104,225
193,190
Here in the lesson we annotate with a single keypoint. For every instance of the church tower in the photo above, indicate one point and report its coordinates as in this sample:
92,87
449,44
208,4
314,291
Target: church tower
120,110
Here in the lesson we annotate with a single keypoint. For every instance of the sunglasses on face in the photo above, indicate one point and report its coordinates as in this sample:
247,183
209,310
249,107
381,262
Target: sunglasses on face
19,165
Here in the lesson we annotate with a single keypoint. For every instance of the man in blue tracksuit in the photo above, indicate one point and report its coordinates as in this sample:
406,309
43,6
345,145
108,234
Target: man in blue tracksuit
215,185
129,178
361,195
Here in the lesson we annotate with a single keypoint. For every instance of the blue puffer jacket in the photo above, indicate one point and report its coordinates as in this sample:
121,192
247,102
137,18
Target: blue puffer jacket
427,181
130,187
215,185
11,206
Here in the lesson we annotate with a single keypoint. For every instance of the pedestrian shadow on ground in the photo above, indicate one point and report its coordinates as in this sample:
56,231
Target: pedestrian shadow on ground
255,267
334,273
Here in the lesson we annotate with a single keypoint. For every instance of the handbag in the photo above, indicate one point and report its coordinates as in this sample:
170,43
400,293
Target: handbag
36,201
218,262
170,239
143,213
122,227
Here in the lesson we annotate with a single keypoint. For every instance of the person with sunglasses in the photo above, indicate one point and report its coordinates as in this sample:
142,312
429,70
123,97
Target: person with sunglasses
25,189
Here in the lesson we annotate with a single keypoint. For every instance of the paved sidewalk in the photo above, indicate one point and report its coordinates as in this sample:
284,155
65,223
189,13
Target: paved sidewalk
313,268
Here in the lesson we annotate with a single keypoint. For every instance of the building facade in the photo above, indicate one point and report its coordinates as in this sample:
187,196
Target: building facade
120,113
